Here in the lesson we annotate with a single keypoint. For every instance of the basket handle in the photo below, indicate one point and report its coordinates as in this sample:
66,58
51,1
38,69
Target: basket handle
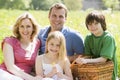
75,61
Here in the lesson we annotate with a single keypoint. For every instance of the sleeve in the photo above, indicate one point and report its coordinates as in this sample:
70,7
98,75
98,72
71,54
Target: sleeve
78,44
109,47
39,43
8,40
87,45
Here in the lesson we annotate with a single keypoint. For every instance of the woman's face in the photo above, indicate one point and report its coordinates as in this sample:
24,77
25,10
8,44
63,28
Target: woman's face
95,28
26,29
53,46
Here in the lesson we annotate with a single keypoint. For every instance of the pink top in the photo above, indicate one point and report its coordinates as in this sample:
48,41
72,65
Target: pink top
23,62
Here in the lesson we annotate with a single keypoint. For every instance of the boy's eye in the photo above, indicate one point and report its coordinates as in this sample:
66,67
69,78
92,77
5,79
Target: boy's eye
96,22
89,23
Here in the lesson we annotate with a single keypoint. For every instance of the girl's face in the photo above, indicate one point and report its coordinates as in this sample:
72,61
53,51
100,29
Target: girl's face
95,28
53,46
26,29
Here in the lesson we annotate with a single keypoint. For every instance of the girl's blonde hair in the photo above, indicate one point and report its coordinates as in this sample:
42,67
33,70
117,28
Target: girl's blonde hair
25,15
58,35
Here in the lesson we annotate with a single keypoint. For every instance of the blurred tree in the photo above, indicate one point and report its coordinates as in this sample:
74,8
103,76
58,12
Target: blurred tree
42,4
39,4
12,4
2,3
73,5
113,4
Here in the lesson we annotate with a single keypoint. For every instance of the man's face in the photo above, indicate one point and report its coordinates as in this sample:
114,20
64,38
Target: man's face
57,19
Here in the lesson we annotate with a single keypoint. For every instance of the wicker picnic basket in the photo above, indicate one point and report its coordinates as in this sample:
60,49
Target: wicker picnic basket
93,71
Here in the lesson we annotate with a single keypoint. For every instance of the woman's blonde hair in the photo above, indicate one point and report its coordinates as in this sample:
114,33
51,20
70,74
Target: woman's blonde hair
57,35
25,15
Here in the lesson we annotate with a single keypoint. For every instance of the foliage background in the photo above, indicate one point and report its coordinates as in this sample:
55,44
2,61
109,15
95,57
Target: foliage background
45,4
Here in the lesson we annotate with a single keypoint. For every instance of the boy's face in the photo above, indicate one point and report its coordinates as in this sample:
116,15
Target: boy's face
95,28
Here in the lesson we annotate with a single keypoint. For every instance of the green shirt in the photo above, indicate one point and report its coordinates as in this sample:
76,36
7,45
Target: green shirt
102,46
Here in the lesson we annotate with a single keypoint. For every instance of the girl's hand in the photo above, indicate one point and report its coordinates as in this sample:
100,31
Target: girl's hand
52,73
54,70
60,75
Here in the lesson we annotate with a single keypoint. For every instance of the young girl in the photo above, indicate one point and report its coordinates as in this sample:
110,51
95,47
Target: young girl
54,65
100,44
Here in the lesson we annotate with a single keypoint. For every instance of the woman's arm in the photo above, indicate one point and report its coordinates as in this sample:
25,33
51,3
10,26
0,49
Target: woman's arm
10,63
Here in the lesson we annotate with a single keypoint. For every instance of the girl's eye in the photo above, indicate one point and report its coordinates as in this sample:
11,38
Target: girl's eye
60,16
58,45
28,26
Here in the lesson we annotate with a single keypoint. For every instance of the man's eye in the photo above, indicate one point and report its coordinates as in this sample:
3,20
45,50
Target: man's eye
51,44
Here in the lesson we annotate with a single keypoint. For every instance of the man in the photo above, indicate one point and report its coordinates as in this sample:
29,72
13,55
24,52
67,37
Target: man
57,17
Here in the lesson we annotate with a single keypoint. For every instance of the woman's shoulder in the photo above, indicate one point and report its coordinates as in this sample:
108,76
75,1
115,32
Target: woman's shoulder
36,41
10,39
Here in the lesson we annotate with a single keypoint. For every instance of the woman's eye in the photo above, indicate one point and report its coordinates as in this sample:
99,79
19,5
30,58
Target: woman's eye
21,26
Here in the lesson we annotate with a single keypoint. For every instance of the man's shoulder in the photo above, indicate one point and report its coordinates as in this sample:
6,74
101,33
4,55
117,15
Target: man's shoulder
70,31
44,29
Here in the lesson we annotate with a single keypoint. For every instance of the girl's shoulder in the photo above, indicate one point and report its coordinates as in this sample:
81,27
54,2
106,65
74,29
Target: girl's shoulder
40,56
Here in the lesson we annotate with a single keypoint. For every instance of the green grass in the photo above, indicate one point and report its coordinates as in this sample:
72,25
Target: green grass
75,20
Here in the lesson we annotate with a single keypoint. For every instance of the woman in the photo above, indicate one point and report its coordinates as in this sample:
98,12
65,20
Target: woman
20,50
